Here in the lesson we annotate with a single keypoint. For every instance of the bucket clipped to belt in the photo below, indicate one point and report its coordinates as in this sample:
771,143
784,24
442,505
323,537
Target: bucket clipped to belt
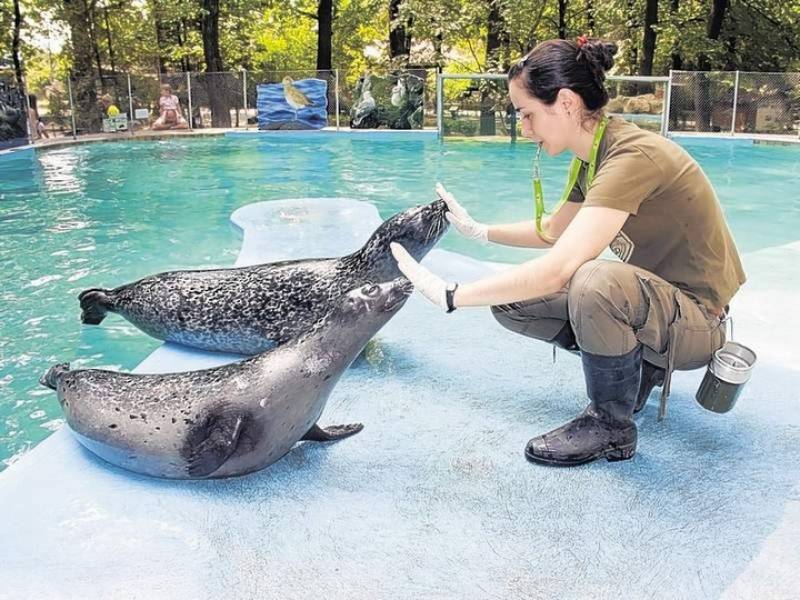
728,371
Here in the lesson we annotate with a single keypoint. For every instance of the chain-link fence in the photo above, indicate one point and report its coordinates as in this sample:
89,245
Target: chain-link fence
474,105
13,113
478,105
735,102
641,100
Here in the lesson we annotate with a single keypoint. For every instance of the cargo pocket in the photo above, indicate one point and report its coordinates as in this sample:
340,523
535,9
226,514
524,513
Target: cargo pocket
697,336
653,331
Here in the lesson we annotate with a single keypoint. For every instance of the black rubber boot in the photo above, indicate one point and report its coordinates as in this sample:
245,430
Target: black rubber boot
652,377
565,338
605,428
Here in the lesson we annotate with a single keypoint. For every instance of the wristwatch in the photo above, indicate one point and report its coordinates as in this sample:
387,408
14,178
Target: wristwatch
449,292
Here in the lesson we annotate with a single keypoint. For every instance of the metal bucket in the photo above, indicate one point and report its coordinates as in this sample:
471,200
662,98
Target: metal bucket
728,371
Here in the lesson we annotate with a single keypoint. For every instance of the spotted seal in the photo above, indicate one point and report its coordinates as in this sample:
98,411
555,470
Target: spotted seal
251,309
228,420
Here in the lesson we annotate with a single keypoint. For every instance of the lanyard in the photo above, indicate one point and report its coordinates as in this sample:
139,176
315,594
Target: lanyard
572,179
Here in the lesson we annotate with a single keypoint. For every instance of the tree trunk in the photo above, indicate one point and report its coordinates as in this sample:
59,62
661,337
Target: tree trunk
703,97
633,53
162,63
87,114
438,41
675,54
497,46
562,19
108,39
181,37
15,44
590,16
90,20
209,25
325,35
649,41
399,34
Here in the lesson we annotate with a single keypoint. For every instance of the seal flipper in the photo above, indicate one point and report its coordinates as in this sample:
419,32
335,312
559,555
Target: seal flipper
94,305
209,445
332,433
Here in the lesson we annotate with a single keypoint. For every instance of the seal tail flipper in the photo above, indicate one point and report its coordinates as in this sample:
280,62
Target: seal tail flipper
332,433
94,304
50,378
209,445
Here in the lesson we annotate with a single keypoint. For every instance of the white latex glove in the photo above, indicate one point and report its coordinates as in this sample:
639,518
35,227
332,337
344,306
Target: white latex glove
426,283
459,217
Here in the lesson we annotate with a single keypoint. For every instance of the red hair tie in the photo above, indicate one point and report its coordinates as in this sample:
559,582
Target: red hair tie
581,41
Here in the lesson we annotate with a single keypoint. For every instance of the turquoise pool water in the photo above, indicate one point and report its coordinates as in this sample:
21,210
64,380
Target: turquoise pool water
104,214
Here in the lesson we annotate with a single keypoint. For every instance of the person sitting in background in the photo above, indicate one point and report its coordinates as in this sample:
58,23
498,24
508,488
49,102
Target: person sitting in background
169,108
38,130
106,105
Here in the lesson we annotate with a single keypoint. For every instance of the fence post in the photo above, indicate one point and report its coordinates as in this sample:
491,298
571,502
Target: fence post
439,102
244,96
130,106
71,106
189,91
336,84
26,97
735,103
667,106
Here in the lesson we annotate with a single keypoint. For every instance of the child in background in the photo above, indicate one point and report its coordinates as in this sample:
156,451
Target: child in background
38,130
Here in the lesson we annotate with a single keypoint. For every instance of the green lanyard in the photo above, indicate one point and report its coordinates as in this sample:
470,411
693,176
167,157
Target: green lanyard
572,179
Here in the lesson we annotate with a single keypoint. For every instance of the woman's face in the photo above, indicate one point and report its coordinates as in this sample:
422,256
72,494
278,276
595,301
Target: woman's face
166,92
541,123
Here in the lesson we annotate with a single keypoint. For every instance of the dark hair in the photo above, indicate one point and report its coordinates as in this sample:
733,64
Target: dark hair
578,66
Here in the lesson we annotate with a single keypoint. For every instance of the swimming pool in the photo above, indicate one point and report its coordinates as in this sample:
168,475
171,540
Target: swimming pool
104,214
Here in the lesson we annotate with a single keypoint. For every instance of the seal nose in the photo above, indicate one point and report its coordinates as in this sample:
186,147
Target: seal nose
439,206
50,378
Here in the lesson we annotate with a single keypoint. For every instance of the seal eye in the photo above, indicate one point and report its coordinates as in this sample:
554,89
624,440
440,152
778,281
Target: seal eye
372,290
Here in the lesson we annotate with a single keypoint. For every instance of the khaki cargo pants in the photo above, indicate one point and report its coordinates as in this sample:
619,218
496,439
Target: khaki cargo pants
613,305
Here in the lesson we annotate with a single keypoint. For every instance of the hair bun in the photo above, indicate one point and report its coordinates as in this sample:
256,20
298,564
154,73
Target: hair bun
599,56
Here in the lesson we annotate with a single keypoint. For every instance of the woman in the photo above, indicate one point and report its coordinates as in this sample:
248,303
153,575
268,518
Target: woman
633,321
169,108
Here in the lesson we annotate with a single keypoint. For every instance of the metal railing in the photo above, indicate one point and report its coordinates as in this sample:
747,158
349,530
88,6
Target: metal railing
127,104
456,104
477,104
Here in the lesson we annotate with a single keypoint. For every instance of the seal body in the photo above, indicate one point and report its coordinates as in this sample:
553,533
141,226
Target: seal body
229,420
251,309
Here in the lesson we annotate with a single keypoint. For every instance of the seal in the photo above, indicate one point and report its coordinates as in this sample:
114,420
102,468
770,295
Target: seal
248,310
229,420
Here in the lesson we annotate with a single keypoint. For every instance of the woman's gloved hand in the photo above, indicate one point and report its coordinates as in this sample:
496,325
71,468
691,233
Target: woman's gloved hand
433,287
459,217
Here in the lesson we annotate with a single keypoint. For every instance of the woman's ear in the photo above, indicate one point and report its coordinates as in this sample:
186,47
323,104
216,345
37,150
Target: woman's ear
568,101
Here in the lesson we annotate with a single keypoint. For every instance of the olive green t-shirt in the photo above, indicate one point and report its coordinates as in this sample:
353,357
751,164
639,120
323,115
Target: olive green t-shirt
676,228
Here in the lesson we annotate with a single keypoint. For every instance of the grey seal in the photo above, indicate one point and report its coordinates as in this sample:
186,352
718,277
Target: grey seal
229,420
248,310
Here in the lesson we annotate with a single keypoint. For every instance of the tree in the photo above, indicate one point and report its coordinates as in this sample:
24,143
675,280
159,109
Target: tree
325,35
703,96
15,45
217,98
399,32
649,40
